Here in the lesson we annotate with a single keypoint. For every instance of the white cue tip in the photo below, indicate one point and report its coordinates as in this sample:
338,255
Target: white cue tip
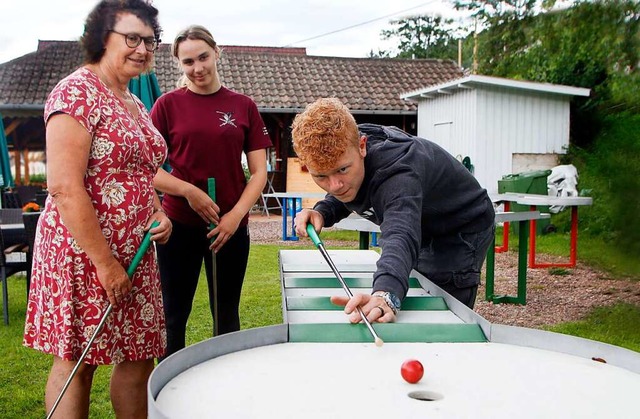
379,342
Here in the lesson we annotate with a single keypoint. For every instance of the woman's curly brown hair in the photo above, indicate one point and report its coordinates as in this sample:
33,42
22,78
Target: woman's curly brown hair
323,132
103,18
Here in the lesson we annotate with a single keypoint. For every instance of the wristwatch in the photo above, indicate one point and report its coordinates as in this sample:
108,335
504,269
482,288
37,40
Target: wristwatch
392,300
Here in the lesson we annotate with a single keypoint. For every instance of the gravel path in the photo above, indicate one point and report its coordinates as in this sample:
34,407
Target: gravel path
551,298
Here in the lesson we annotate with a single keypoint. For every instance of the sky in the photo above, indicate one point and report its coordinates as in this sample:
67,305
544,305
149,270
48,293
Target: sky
297,23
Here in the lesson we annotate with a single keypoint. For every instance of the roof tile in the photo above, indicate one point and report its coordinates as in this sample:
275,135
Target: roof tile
276,78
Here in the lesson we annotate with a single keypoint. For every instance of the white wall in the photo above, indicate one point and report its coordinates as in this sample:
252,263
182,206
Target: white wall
490,124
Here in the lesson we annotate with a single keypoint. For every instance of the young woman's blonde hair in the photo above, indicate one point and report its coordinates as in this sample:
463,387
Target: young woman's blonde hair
193,32
323,132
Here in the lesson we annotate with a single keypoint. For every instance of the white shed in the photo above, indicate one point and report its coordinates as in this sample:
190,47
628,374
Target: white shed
504,126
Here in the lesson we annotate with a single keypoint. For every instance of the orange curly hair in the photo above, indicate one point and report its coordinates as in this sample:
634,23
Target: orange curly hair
323,132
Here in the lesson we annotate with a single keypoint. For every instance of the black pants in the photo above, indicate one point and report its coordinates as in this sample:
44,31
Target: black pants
454,262
180,263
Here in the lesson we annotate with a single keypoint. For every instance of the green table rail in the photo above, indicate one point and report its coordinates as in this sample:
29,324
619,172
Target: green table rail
389,332
324,303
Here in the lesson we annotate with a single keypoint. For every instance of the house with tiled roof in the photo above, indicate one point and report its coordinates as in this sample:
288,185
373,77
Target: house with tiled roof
282,81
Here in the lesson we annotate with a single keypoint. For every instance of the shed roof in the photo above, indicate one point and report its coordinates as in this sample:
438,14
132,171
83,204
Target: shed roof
475,80
278,79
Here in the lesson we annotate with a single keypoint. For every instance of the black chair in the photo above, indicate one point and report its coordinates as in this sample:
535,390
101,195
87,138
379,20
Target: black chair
8,268
41,198
11,216
11,199
27,193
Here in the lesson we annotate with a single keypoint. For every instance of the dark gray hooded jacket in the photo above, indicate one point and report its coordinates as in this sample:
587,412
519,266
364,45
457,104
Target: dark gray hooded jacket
414,190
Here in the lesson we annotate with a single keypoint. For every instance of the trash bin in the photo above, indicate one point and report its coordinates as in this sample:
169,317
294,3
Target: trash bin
531,183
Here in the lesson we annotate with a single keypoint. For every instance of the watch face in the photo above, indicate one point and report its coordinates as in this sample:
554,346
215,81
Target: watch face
395,300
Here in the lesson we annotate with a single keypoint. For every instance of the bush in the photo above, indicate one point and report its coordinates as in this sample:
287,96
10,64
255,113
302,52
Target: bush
611,169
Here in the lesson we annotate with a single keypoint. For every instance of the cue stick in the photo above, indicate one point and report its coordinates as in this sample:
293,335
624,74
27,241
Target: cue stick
144,246
316,240
214,266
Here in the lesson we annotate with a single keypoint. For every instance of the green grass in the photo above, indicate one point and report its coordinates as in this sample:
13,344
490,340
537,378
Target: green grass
617,325
23,372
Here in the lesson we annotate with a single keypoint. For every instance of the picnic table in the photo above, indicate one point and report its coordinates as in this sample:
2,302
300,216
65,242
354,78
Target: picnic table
534,201
573,203
291,204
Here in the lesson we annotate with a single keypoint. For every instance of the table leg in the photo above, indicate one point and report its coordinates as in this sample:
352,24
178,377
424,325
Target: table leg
491,263
285,224
573,250
521,297
532,241
522,263
364,240
573,255
294,211
505,232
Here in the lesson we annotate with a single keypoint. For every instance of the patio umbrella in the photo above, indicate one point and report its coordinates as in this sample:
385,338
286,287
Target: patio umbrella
146,87
6,179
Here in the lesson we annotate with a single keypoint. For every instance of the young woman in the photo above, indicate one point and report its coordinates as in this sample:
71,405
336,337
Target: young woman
207,128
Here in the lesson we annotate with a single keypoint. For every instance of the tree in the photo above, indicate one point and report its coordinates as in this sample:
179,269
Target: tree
422,36
503,25
593,44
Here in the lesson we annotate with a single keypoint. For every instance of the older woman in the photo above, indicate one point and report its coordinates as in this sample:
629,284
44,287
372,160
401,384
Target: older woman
102,155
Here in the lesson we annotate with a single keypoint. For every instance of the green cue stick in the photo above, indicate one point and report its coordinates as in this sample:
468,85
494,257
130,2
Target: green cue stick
144,246
316,240
214,269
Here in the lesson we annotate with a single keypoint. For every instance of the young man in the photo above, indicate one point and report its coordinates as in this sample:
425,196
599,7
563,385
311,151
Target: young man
433,214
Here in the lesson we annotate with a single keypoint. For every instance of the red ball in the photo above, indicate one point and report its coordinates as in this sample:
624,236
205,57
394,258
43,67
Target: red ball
412,371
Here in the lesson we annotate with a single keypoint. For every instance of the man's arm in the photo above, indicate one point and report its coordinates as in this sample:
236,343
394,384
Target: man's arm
398,201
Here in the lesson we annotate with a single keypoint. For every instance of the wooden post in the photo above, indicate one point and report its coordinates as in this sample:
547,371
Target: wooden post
25,154
16,159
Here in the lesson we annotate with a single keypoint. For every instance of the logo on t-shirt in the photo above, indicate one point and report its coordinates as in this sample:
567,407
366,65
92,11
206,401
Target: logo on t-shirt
226,119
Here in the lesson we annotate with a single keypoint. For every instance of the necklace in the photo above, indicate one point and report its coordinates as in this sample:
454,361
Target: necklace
124,96
126,99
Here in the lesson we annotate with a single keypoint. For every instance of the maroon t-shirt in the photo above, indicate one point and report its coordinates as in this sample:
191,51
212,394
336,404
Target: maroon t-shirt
206,135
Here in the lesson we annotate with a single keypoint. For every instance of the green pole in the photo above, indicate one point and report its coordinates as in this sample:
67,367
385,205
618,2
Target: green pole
211,185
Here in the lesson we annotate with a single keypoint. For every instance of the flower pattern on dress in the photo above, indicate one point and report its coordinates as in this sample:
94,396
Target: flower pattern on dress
113,193
101,148
66,299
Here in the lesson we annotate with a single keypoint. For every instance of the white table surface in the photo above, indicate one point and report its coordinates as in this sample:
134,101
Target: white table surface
295,195
357,223
349,380
537,199
568,201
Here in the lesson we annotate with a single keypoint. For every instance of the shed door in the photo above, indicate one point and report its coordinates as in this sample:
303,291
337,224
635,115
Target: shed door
442,132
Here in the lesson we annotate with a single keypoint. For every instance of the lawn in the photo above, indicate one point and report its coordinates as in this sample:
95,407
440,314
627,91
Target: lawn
23,372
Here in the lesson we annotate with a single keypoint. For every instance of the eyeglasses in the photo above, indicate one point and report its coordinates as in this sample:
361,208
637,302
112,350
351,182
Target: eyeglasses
133,40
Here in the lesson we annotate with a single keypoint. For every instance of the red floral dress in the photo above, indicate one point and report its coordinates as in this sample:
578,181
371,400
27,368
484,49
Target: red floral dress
66,300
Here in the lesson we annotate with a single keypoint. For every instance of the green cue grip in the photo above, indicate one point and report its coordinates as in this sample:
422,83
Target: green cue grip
146,242
311,231
211,187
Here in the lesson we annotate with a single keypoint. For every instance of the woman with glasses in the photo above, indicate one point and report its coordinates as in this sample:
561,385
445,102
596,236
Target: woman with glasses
207,128
102,155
